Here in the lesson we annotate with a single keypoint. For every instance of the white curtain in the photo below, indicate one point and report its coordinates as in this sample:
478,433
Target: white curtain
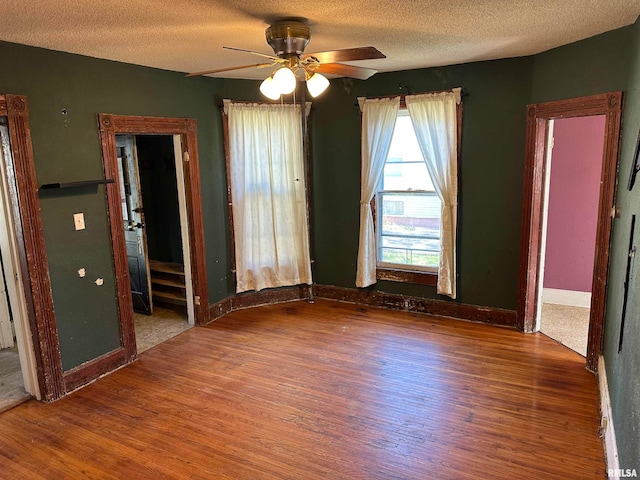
378,122
434,120
269,196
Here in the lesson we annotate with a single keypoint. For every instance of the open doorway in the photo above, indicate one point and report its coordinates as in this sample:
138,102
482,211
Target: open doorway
540,118
570,216
156,237
185,142
17,375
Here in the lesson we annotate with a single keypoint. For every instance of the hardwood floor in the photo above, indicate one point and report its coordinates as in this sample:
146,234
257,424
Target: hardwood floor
324,390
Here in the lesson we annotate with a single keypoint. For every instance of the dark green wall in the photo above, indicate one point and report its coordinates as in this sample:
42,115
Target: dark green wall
623,369
605,63
493,129
67,148
598,64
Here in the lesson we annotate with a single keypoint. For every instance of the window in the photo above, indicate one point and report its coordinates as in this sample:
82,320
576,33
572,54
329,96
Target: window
415,227
408,208
265,167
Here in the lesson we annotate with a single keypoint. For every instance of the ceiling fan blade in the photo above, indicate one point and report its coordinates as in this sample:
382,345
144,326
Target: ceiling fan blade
253,53
351,71
346,55
228,69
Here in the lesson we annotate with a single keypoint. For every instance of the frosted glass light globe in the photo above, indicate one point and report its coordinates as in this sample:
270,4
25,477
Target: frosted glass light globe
317,84
269,89
285,80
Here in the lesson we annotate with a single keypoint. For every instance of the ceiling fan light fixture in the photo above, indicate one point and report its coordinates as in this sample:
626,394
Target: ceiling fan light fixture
269,89
285,80
317,84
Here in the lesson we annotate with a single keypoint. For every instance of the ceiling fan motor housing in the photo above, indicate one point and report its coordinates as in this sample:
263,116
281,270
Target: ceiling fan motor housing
288,37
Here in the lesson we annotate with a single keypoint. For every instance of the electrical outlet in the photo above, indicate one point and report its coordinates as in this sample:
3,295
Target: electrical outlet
78,221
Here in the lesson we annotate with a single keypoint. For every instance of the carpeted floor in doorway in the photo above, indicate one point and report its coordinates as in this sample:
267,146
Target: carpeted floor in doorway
566,324
167,321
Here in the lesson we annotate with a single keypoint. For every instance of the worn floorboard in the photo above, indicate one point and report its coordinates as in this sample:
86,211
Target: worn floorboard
323,391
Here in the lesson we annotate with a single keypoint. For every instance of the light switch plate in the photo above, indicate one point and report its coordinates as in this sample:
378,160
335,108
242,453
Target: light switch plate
78,221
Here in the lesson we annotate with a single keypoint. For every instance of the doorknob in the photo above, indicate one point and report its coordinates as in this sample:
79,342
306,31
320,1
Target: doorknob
139,225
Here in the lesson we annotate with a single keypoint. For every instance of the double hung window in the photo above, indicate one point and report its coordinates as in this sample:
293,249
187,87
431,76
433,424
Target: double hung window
267,195
408,207
409,190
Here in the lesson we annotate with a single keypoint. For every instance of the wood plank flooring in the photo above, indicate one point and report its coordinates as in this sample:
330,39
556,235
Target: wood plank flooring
322,391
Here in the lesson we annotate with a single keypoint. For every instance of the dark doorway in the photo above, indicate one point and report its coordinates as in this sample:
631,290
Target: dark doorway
153,236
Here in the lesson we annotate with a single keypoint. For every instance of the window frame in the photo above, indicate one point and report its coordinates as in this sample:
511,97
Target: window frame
395,272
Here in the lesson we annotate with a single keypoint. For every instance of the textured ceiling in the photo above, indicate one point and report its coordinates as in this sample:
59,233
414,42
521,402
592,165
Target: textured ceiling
188,35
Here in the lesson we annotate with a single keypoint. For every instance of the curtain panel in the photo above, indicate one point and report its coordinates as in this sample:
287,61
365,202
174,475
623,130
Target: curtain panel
378,122
268,192
434,119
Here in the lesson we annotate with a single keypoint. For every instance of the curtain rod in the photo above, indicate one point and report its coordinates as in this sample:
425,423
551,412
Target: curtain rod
249,102
223,106
463,93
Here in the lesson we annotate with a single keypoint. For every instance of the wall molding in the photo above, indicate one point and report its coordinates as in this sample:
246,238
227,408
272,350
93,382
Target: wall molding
394,301
609,439
566,297
28,230
263,297
92,370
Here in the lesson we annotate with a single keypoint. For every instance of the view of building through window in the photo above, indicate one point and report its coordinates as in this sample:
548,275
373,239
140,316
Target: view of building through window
408,207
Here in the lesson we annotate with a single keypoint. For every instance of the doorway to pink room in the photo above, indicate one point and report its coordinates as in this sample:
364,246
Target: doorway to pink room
570,218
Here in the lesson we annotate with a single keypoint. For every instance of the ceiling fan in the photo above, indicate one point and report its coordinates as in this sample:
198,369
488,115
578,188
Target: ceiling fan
288,38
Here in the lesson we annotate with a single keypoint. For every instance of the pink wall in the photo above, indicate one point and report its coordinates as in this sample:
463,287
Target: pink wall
576,163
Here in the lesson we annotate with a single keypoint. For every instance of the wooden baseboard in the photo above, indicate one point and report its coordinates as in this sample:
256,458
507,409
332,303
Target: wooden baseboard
489,315
254,299
92,370
220,309
609,437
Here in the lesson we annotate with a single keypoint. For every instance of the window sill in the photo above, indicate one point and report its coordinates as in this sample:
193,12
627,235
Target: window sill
407,276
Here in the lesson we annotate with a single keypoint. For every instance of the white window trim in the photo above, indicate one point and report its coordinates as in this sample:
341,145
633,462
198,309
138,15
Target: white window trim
400,267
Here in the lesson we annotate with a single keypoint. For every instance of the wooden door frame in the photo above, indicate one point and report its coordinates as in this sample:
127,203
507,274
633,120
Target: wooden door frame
29,233
110,125
538,116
